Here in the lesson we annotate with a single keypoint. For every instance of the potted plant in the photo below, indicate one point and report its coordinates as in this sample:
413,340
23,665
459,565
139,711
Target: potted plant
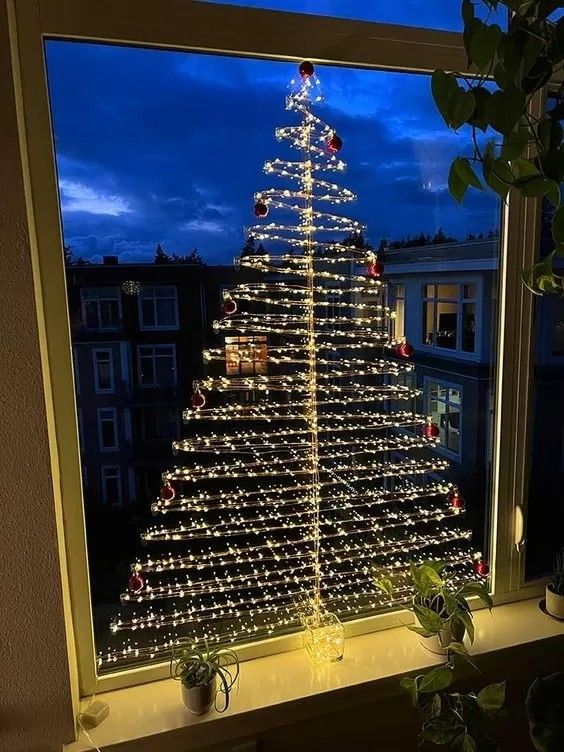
555,589
526,153
440,606
200,673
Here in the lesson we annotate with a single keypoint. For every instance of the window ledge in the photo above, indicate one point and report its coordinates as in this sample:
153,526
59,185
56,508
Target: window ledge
280,689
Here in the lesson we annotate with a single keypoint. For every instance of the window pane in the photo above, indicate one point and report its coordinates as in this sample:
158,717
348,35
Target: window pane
148,312
428,335
447,325
196,199
545,510
448,292
468,326
469,292
434,14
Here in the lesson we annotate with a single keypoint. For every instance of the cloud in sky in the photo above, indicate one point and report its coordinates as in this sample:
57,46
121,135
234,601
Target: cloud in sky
77,197
158,146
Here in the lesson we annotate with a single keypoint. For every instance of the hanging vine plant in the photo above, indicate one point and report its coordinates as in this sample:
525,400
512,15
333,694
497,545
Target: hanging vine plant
527,153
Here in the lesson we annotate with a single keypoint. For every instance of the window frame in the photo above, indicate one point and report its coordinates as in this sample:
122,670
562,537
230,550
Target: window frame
155,347
460,301
97,388
250,32
428,381
100,420
103,479
84,299
157,327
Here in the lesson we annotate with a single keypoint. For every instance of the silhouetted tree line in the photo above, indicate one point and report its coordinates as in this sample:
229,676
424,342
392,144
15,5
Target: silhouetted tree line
160,256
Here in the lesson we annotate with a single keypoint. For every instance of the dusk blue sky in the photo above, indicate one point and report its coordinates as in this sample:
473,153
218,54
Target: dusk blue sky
167,147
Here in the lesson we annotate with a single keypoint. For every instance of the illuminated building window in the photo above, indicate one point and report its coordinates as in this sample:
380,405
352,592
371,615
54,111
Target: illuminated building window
444,405
245,355
158,307
157,365
398,296
449,317
101,308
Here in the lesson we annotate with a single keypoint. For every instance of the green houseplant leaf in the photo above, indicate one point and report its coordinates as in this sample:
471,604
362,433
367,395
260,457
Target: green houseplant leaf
443,86
461,176
492,697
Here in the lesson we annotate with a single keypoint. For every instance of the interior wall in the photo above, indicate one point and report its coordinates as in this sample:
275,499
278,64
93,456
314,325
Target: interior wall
35,694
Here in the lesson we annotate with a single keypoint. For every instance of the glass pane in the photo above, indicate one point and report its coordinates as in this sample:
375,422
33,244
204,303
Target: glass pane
469,292
148,312
448,292
545,510
453,429
429,291
447,325
468,326
434,14
113,201
428,321
558,339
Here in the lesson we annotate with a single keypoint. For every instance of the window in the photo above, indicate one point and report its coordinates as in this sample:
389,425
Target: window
159,423
449,317
107,429
445,407
101,308
103,360
158,307
398,295
245,355
210,228
434,14
157,365
111,484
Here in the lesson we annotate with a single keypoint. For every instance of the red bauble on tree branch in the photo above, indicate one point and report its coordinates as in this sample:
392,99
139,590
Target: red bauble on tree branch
375,269
261,209
430,429
306,69
403,349
334,144
198,400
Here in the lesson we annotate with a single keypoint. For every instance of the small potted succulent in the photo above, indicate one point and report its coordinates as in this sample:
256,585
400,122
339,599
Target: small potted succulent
440,607
555,588
204,675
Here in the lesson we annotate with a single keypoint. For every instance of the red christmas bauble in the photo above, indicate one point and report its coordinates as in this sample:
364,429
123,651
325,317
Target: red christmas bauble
334,144
375,269
168,493
136,583
481,568
431,430
261,210
198,400
229,306
456,500
306,69
404,350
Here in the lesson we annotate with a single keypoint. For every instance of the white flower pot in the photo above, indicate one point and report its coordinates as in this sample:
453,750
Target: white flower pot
439,643
554,603
200,699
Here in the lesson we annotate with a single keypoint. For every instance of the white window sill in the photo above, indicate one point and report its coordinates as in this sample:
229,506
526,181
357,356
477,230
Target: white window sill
281,689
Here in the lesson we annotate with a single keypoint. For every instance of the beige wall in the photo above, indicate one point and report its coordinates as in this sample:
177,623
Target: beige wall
35,698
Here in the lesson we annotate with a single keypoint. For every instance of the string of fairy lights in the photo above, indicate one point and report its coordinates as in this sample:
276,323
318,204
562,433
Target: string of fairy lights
320,478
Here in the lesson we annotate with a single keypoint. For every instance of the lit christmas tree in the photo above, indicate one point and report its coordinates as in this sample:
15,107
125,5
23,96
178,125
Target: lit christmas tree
321,478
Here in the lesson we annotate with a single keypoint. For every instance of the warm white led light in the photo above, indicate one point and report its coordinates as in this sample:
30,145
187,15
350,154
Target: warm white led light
321,477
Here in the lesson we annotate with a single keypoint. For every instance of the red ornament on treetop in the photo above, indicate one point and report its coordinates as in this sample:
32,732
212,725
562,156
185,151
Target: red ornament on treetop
375,269
136,582
229,307
198,400
431,430
456,500
481,567
167,492
261,209
306,69
334,144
